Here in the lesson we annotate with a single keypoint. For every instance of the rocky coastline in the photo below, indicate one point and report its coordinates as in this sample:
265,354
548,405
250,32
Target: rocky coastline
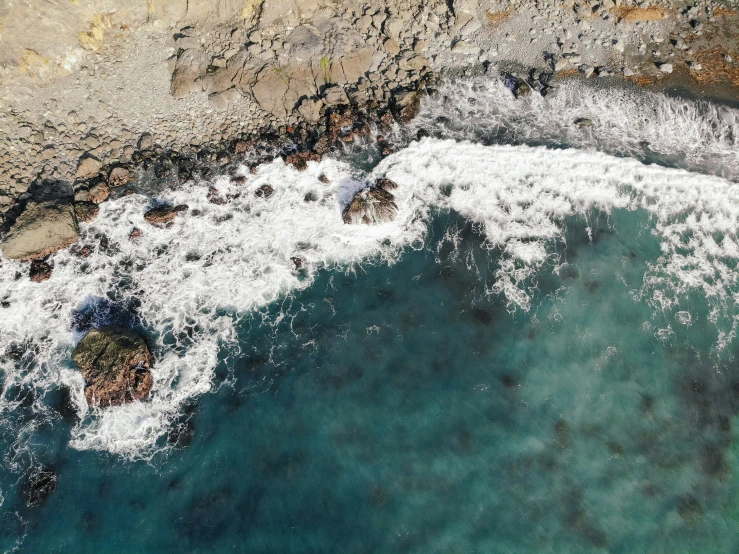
177,89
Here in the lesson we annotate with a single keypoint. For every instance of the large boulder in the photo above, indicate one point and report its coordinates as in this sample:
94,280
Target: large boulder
115,364
372,206
41,229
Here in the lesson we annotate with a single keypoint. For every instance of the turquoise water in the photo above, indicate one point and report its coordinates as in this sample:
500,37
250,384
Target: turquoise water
403,408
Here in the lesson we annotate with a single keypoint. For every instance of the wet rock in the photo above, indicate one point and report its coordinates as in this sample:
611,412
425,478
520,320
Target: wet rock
371,206
115,363
39,486
40,271
135,233
86,212
583,122
119,176
164,214
42,228
99,193
407,106
517,86
386,184
265,191
214,197
300,160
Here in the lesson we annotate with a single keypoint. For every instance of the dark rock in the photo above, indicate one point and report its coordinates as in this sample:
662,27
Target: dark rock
386,184
297,262
265,191
40,271
583,122
115,364
300,160
517,86
39,486
407,106
164,214
214,197
135,233
86,212
689,508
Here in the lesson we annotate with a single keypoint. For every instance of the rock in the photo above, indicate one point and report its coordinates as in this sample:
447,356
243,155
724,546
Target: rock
41,229
583,122
115,363
86,212
265,191
164,214
391,47
146,142
99,193
561,64
516,85
40,271
371,206
119,176
87,168
300,160
221,100
664,67
407,106
310,110
135,233
336,96
39,486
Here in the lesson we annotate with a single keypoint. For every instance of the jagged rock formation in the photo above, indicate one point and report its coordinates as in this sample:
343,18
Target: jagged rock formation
373,205
164,214
115,364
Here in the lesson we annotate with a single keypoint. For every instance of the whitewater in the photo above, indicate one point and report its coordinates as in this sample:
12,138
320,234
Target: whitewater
516,168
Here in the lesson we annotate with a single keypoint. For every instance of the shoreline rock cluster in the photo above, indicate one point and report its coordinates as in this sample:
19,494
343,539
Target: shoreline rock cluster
113,80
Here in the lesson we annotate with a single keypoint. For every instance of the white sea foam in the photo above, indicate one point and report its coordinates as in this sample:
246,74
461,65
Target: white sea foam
193,279
697,135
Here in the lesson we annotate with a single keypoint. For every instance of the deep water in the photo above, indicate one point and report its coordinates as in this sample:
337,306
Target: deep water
405,407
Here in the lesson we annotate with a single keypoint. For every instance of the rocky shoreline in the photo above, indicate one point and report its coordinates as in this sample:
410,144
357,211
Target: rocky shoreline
175,87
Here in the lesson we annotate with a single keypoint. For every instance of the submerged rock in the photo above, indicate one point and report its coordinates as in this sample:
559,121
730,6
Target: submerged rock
373,205
115,363
40,230
39,486
164,214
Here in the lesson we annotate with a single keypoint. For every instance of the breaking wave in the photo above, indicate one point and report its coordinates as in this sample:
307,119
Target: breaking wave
186,286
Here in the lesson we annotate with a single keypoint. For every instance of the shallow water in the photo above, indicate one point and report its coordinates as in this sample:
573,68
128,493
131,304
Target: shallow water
536,356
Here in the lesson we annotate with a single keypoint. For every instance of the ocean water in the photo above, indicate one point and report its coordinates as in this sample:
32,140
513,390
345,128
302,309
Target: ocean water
537,355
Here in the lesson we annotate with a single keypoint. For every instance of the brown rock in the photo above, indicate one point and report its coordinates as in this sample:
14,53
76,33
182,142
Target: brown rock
118,177
164,214
265,191
40,271
135,233
371,206
115,363
99,193
300,160
88,167
86,211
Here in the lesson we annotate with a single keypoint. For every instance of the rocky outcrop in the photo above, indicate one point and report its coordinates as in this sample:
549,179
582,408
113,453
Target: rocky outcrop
164,214
40,271
86,212
115,363
373,205
42,228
